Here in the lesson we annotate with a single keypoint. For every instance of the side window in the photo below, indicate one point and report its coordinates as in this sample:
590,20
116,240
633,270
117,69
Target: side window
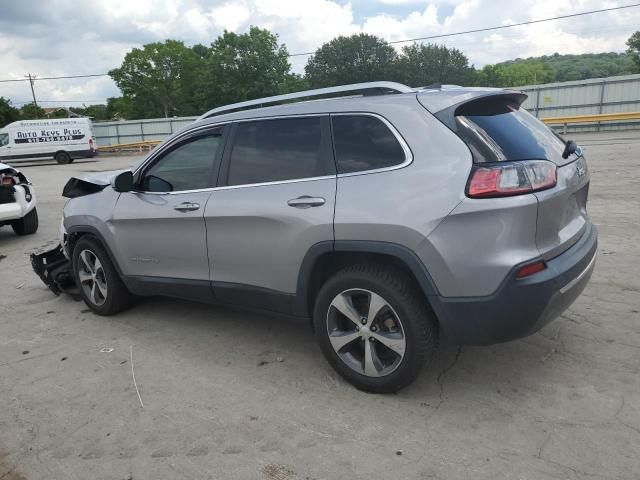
188,166
4,139
276,150
364,142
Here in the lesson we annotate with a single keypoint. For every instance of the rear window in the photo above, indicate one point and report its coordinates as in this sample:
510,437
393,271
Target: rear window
364,142
505,132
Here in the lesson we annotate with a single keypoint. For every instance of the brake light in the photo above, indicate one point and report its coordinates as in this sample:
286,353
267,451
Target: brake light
7,181
531,268
513,178
91,147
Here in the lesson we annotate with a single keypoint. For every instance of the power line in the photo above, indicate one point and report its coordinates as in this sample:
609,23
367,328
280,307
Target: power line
55,78
497,27
58,101
430,37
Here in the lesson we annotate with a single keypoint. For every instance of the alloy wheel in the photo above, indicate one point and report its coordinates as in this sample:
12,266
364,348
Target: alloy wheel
366,332
92,277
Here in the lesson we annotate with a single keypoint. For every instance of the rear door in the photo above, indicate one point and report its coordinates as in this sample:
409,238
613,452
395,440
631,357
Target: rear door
275,200
498,131
160,227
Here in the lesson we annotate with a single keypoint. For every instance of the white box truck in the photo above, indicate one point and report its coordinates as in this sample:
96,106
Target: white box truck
63,139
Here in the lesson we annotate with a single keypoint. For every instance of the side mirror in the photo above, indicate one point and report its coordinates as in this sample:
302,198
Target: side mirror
123,182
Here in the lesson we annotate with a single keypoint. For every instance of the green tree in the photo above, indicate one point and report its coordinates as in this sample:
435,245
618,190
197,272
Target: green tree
158,79
353,59
8,113
30,111
243,67
421,65
557,68
633,44
119,108
97,112
515,74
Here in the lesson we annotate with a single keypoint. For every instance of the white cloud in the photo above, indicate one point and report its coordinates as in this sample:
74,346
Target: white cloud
76,37
230,15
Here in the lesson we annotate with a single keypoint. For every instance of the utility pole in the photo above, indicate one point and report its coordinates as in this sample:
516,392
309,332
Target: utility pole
31,81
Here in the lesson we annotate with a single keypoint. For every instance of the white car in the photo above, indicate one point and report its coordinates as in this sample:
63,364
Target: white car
17,201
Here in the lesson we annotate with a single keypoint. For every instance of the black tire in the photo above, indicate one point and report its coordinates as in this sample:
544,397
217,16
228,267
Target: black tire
418,323
118,297
63,158
27,225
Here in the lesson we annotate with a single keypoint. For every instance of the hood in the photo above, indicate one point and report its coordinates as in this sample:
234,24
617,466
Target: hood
100,178
92,182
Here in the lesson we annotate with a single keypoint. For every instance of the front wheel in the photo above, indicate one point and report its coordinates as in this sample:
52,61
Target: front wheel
374,327
100,285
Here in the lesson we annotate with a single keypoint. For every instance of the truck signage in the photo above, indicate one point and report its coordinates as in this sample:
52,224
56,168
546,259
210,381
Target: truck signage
48,135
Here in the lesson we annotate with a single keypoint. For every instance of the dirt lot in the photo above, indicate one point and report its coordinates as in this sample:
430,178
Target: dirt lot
231,395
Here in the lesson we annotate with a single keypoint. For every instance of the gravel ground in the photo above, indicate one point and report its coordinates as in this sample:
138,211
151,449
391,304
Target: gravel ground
231,395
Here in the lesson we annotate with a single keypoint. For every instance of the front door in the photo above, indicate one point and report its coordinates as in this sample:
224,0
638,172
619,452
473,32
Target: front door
160,227
275,200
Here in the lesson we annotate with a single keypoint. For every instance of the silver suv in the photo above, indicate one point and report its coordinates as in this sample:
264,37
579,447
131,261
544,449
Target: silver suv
387,218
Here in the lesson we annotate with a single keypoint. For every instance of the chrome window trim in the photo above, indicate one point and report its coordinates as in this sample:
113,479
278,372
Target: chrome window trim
408,154
233,187
405,147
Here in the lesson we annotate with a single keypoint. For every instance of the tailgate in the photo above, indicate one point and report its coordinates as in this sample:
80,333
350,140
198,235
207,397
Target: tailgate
562,210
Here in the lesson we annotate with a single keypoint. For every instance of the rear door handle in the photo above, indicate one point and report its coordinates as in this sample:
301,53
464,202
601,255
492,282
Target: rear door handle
306,201
187,207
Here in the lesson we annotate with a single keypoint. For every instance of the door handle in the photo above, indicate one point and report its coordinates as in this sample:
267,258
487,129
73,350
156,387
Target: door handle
187,207
306,201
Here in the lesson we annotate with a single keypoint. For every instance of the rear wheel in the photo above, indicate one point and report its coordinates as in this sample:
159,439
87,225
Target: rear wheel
100,285
27,224
63,158
374,327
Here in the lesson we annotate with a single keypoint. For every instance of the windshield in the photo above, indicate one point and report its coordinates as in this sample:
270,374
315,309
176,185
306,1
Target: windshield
4,139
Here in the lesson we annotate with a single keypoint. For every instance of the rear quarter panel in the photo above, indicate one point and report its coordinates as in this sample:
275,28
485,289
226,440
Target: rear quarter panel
404,205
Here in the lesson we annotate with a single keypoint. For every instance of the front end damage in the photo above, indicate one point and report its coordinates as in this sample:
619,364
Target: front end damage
53,266
55,270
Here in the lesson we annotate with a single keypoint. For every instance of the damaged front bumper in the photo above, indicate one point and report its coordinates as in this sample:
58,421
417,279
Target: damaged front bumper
54,269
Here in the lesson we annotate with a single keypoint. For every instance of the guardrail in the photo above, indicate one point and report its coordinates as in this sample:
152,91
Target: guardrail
595,118
140,147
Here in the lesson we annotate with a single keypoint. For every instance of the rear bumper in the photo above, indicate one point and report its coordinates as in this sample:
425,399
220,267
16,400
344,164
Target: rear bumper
520,307
89,153
20,206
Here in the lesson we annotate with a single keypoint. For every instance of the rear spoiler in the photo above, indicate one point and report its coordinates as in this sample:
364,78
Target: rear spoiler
496,101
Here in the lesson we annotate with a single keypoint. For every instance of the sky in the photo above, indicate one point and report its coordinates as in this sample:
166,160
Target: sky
79,37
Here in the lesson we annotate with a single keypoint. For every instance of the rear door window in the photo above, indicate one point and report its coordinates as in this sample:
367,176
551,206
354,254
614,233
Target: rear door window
279,150
364,142
505,132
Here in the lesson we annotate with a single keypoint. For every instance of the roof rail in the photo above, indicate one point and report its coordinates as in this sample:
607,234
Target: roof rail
355,87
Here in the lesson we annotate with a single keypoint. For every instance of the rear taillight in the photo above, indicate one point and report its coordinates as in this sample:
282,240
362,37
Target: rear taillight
91,147
512,178
7,181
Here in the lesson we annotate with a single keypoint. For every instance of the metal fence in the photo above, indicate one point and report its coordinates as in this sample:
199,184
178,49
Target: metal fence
130,131
582,97
587,97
